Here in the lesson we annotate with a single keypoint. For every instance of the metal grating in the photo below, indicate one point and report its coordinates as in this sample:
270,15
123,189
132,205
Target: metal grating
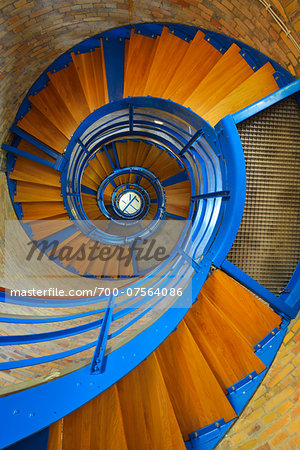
267,246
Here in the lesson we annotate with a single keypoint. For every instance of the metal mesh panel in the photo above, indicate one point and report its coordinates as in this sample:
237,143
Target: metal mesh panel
267,246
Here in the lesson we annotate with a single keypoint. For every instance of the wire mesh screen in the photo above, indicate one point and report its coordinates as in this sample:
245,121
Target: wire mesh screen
267,246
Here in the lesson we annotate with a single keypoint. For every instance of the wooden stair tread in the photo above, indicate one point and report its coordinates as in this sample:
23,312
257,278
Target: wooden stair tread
227,74
97,167
141,52
55,435
37,125
251,317
75,242
256,87
92,77
42,210
31,171
142,153
43,228
199,59
67,84
111,267
184,185
227,353
104,161
177,210
148,415
196,395
30,148
30,192
87,181
96,425
49,102
169,52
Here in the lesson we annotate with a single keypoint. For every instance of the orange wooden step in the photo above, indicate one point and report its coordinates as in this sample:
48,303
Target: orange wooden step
125,266
169,53
40,127
104,161
148,415
196,395
27,147
111,268
30,192
141,52
31,171
142,153
92,77
55,435
197,62
256,87
77,244
96,267
88,182
97,167
42,210
44,228
183,185
251,317
227,74
154,154
97,425
66,242
93,174
227,353
67,84
52,106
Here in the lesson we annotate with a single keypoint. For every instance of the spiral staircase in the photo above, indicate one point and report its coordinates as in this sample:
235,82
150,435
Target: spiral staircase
133,136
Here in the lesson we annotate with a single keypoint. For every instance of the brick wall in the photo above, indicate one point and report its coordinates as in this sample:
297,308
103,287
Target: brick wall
33,33
272,418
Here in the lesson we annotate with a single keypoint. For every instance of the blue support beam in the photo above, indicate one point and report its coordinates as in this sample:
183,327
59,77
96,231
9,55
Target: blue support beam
255,108
98,362
131,113
175,216
224,194
108,157
193,139
114,49
87,190
44,148
115,155
178,178
38,441
82,146
190,260
17,151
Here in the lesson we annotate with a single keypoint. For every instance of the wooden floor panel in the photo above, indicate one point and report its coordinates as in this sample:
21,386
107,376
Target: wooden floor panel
98,425
228,73
149,419
196,395
227,353
250,316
